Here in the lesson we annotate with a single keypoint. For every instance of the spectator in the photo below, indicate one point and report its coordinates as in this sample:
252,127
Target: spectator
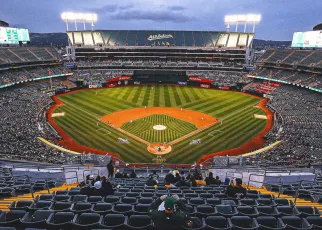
236,191
110,169
133,174
169,177
151,181
155,175
176,178
227,181
119,174
182,182
166,216
107,188
197,175
193,181
218,181
210,179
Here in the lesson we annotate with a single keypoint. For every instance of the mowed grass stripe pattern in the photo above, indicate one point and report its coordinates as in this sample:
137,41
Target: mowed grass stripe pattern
236,109
143,128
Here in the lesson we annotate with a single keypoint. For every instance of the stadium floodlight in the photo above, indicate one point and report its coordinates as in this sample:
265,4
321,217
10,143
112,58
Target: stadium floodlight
79,17
237,19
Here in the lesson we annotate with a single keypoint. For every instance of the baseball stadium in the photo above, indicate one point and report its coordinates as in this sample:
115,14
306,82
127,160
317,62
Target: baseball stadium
159,129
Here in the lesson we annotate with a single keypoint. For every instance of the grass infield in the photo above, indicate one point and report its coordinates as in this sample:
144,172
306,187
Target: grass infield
83,109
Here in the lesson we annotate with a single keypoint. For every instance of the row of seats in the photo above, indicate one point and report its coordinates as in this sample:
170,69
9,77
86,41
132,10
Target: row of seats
66,220
142,208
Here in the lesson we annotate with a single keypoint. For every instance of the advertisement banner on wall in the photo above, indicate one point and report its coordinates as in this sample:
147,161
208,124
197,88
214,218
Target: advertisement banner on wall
205,86
200,79
137,83
182,83
111,85
121,78
224,87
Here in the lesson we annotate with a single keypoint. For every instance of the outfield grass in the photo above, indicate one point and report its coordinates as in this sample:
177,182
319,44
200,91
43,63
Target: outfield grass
83,109
143,128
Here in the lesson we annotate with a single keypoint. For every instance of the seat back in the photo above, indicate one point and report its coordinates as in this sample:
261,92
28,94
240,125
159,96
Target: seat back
63,217
265,209
285,209
114,219
43,204
305,209
23,203
142,208
40,215
82,206
139,220
94,199
79,198
61,205
293,221
205,209
316,220
225,209
216,222
267,221
123,207
88,218
15,215
242,221
245,209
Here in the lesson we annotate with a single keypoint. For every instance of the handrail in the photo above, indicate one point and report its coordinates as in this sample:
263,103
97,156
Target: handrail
84,177
297,191
254,174
68,178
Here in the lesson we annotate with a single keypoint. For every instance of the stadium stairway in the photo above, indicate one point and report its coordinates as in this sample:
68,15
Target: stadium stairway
299,202
4,203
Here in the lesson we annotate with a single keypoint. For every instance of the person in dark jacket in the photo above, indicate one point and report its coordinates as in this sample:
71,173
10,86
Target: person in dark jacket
172,216
218,181
193,181
210,179
107,188
197,175
133,174
151,181
169,177
110,169
182,182
236,190
176,178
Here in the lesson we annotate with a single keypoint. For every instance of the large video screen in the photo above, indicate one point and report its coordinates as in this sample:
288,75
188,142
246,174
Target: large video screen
10,35
309,39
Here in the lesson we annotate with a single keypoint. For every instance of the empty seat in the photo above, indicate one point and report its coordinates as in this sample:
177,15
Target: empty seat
243,222
216,222
196,201
221,196
60,206
265,202
94,199
102,208
213,201
145,200
139,222
61,192
247,211
267,211
306,211
87,221
191,195
269,223
228,202
251,196
225,210
128,200
132,194
252,192
248,202
125,209
125,190
36,220
315,222
12,218
20,205
287,211
79,198
119,194
45,197
283,202
147,194
205,195
266,196
205,210
61,220
74,192
113,221
294,222
191,210
64,198
111,199
40,204
81,207
141,208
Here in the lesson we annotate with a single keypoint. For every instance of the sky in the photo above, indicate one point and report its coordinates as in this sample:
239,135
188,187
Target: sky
280,18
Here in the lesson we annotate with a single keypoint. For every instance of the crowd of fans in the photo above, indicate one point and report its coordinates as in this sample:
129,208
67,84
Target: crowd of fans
298,125
23,120
25,74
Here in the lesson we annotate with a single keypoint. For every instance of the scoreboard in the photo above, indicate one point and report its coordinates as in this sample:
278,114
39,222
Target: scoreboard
309,39
10,35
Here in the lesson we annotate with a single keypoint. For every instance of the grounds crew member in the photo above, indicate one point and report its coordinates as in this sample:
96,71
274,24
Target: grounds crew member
168,212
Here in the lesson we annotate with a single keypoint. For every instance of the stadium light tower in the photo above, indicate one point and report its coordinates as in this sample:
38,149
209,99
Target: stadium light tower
79,18
242,19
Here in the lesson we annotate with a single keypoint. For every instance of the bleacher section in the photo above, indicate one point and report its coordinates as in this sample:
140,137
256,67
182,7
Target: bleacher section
11,55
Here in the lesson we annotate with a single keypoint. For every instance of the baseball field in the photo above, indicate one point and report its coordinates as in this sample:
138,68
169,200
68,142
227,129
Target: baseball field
125,120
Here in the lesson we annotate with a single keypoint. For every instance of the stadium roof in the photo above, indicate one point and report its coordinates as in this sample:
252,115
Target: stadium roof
160,38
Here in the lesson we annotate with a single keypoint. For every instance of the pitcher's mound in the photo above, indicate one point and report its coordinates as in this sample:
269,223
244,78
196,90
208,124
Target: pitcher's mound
159,127
159,149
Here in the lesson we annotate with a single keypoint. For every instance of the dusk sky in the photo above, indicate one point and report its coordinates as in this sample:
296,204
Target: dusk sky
280,18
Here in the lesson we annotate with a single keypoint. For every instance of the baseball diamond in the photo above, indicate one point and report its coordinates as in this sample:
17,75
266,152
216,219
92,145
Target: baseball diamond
86,112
